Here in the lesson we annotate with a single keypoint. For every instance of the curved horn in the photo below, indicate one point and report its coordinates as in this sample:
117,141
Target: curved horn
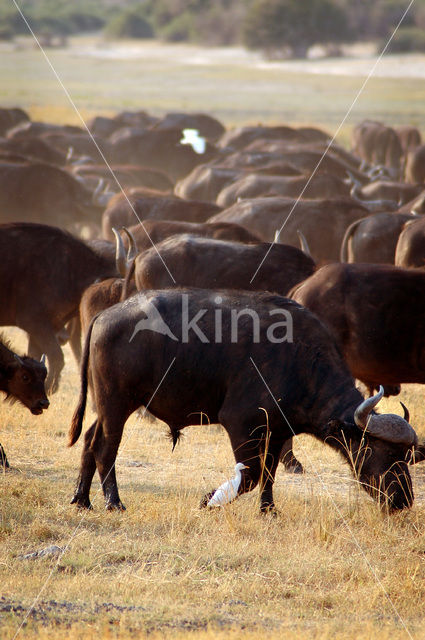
406,412
387,426
363,410
303,243
120,259
43,359
132,246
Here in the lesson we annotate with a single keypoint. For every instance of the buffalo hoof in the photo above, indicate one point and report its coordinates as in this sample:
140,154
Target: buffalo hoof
115,506
268,510
205,500
82,503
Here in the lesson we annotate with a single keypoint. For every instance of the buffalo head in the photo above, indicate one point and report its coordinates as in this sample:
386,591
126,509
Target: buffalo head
379,448
25,382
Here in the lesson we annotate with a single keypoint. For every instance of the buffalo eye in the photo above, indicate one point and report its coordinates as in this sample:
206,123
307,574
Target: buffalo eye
25,377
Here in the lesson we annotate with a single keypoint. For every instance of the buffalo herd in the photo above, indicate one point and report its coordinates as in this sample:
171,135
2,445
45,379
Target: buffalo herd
259,273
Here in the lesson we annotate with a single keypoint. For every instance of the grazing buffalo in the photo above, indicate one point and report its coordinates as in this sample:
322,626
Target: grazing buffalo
154,231
255,185
214,264
374,239
323,222
22,379
378,144
158,149
187,353
377,315
124,210
43,273
38,192
9,118
409,136
194,261
410,249
415,165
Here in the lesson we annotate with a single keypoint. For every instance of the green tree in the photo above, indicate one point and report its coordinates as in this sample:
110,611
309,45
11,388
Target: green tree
282,27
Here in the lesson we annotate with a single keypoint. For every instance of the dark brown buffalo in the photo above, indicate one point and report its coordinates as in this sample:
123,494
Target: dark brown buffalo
34,149
154,231
378,144
374,238
194,261
43,273
255,185
409,136
241,137
21,379
387,190
125,210
141,353
207,126
303,159
415,165
159,150
9,118
410,249
38,192
207,180
128,176
323,222
377,315
215,264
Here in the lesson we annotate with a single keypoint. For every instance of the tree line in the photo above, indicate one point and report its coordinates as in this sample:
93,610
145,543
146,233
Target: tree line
278,28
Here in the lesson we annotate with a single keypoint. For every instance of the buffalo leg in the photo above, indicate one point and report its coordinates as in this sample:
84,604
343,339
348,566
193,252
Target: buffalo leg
105,447
45,341
261,456
74,328
288,458
88,467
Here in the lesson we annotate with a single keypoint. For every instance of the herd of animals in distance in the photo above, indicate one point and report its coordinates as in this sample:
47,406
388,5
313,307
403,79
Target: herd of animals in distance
101,230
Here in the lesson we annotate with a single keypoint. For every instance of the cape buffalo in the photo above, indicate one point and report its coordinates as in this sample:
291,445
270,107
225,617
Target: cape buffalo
187,353
217,264
323,222
377,315
410,249
22,379
374,238
43,273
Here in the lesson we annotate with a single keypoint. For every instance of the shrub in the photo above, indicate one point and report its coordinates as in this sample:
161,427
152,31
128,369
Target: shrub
407,39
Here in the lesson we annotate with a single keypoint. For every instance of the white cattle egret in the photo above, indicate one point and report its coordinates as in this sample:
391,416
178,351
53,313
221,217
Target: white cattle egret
228,490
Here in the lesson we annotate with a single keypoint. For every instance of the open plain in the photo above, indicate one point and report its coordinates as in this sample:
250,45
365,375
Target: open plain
330,564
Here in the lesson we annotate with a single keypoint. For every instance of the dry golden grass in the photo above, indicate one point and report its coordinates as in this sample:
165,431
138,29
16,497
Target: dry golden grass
329,565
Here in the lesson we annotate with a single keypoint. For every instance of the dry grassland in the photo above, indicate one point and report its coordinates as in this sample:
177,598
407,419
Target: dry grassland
329,565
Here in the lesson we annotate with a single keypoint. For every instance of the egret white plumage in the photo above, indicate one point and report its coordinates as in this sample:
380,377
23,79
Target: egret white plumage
228,490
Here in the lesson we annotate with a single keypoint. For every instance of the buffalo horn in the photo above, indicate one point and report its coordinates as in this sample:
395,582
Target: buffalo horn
43,359
120,259
388,426
303,243
363,410
132,246
406,412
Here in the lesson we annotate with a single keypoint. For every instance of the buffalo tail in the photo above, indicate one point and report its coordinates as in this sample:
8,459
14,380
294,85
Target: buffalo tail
77,418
